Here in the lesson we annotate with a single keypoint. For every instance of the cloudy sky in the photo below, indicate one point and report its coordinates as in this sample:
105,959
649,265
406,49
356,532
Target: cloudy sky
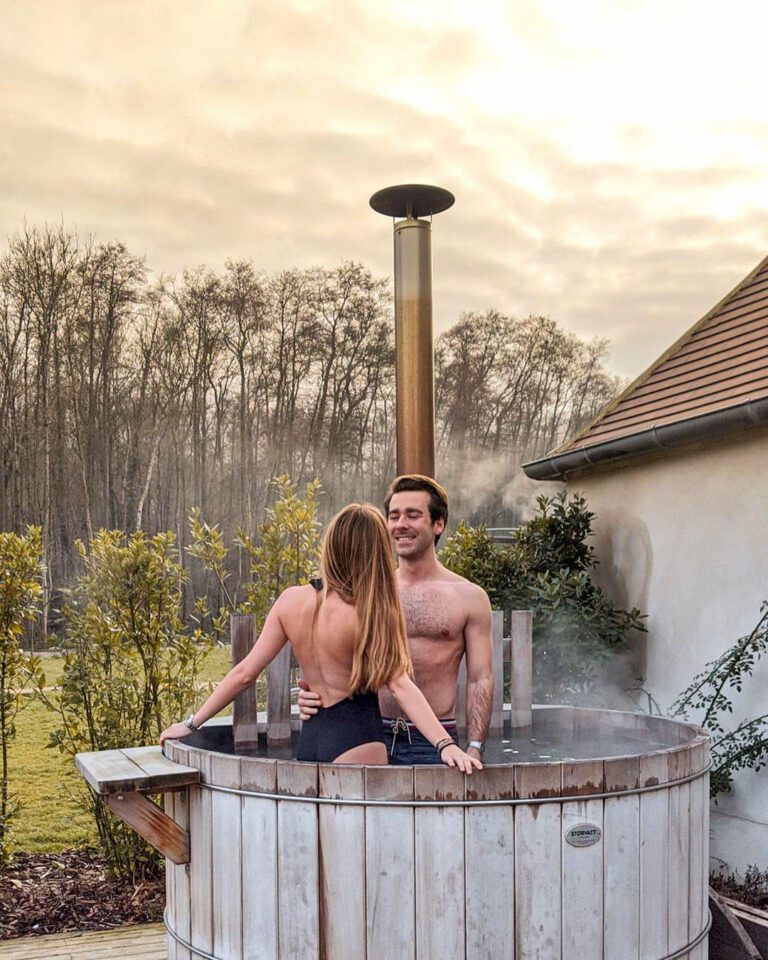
609,159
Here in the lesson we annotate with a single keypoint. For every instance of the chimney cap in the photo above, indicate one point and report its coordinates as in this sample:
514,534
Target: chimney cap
411,200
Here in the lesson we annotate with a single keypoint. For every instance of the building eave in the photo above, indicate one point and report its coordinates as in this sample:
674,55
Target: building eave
667,436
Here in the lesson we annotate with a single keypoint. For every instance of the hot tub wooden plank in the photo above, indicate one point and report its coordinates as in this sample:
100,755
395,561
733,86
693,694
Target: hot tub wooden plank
520,668
489,844
170,885
582,884
200,866
621,876
342,862
177,882
705,849
390,865
279,698
298,859
654,768
654,874
461,698
226,859
698,869
439,864
259,819
681,761
497,639
534,780
582,777
621,773
679,865
245,710
538,905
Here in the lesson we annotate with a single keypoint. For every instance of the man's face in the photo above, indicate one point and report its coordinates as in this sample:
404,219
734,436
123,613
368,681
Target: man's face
410,525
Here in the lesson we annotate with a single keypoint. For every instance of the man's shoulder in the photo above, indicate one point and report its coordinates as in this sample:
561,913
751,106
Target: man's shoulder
455,579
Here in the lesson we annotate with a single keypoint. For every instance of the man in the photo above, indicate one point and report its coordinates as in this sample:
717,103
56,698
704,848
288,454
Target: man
446,618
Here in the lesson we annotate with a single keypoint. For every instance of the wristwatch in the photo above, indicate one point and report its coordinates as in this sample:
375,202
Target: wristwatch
190,723
478,745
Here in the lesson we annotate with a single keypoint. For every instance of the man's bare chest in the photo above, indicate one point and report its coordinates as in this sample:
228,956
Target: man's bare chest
433,613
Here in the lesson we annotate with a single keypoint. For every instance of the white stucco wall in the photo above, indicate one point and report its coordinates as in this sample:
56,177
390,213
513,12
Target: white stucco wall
685,538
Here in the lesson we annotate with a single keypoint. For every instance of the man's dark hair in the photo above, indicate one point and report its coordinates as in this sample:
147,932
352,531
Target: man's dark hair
438,498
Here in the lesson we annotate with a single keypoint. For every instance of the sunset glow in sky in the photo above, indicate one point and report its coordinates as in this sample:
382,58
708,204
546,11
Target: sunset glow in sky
609,159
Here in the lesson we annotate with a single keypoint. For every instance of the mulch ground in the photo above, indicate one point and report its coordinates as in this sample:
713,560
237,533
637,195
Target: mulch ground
61,892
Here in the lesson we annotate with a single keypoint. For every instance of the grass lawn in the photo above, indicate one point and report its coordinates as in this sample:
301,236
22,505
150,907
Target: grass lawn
46,784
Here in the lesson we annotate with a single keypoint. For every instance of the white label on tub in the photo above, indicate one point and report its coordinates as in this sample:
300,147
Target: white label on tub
583,834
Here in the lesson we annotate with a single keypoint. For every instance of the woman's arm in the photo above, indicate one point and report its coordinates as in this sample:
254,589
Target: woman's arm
271,641
413,701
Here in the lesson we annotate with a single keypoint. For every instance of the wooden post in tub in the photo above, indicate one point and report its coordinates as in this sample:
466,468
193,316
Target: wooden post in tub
278,676
521,668
245,720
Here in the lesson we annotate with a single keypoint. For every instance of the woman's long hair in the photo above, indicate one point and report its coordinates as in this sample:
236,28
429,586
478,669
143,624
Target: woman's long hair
357,563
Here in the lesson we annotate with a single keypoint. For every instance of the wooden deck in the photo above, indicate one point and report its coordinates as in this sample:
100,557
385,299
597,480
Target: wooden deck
141,942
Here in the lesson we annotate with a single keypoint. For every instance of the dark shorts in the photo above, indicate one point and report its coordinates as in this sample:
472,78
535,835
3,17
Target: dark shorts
340,727
407,747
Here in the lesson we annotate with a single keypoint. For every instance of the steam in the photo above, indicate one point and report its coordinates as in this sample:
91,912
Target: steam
490,488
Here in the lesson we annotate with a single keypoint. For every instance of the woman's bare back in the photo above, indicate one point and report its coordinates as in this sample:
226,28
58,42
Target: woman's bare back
325,656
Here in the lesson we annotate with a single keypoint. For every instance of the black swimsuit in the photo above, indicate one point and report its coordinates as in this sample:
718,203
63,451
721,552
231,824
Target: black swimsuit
336,729
340,727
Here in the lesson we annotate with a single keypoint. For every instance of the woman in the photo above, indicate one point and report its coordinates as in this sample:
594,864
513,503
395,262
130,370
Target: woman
348,634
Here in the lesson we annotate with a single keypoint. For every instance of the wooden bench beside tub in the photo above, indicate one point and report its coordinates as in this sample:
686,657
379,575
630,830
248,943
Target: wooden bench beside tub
124,778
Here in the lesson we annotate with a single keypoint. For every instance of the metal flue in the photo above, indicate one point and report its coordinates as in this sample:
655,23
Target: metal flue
414,364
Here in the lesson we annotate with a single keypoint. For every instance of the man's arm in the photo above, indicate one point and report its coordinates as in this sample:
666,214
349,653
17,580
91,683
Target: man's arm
477,637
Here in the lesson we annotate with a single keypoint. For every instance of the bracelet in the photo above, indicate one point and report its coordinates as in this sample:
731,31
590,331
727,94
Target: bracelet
190,723
442,744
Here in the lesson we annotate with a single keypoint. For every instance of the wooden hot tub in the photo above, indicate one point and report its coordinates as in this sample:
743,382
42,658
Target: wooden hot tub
583,839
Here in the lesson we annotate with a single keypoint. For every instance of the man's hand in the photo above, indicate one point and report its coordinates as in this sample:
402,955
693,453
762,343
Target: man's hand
309,702
474,753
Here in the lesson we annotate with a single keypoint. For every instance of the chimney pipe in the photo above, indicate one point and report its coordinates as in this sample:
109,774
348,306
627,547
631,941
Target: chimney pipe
414,363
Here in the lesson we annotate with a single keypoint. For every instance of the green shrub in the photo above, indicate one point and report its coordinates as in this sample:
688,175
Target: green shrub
284,552
576,626
131,665
708,699
20,592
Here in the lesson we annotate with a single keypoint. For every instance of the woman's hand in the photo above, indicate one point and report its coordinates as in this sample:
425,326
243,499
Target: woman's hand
454,756
175,732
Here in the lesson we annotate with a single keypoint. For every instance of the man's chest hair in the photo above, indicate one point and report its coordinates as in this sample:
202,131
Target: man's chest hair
432,612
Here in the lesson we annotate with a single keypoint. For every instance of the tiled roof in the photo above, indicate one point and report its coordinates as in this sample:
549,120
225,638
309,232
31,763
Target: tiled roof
720,362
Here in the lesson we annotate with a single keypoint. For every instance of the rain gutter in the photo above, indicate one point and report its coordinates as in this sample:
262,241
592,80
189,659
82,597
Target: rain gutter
668,436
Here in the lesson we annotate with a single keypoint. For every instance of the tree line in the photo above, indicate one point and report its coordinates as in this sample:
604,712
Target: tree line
126,400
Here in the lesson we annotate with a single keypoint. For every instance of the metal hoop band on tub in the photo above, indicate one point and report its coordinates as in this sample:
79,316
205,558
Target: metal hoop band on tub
209,956
527,801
